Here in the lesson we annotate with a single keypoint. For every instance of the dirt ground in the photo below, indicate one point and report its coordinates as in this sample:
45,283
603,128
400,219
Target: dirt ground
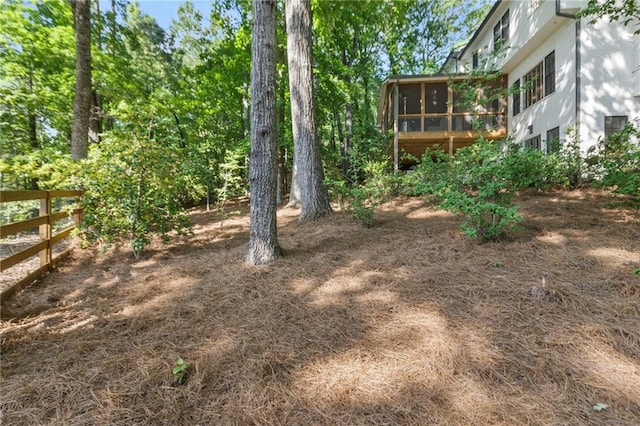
408,322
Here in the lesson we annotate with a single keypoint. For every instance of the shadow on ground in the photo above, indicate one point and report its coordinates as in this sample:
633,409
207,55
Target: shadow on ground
407,322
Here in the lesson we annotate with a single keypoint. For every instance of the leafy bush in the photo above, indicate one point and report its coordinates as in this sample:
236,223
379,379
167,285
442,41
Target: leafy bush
431,175
482,190
571,165
478,182
362,205
133,189
380,186
619,161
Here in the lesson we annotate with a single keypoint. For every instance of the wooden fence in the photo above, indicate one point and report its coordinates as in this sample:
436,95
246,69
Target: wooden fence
45,223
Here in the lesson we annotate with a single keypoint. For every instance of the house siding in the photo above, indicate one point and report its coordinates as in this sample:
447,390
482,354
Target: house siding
557,109
608,76
609,82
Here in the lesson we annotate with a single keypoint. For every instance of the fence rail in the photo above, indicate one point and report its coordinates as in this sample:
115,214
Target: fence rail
48,239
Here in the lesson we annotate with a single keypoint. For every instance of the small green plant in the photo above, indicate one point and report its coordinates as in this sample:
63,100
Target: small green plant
636,272
362,205
498,264
180,371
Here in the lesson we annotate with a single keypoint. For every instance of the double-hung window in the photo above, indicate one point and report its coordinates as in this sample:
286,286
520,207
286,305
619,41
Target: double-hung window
516,97
533,86
540,81
501,31
553,140
550,73
614,124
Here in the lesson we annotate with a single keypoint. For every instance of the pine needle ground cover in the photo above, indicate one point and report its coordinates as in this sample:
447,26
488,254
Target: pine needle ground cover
405,322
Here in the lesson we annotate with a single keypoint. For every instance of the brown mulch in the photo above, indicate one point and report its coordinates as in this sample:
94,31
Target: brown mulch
407,322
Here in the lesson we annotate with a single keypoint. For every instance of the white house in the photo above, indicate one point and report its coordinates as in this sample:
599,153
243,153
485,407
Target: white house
571,74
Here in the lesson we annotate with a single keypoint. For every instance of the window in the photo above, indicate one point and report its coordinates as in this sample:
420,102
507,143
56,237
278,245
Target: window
533,86
516,97
501,31
614,124
553,140
474,60
539,82
533,143
550,73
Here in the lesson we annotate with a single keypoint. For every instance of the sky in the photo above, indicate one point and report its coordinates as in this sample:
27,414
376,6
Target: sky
165,10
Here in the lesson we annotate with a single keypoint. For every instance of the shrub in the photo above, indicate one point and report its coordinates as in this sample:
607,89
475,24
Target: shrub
379,186
482,190
619,161
133,189
478,182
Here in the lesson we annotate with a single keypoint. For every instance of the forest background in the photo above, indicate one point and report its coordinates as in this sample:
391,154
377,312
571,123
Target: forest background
169,123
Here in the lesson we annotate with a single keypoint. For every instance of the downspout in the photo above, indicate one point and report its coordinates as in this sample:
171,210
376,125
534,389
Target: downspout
578,60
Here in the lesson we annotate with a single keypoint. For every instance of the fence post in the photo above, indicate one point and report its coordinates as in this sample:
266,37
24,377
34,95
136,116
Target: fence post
45,229
77,217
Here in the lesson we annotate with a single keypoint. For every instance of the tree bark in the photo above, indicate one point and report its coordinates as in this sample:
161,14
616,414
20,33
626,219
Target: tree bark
348,141
95,119
314,197
263,244
82,100
294,190
282,178
282,173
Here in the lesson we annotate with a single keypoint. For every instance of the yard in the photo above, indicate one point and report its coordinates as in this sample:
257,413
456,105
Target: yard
406,322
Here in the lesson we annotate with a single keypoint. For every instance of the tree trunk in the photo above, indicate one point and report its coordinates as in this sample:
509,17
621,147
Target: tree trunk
348,140
282,95
338,121
263,244
282,181
294,190
95,120
314,198
82,100
33,141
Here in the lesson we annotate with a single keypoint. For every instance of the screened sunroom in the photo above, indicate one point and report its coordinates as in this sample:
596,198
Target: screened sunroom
420,112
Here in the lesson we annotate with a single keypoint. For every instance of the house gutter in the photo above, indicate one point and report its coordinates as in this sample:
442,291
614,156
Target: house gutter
578,59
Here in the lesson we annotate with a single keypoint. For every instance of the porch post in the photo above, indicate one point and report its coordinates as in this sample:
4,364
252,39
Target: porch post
396,140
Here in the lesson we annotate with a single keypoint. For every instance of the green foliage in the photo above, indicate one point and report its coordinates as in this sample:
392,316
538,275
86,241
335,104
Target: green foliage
337,186
380,186
624,11
133,188
571,166
481,191
36,85
180,371
618,162
362,205
478,183
431,176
